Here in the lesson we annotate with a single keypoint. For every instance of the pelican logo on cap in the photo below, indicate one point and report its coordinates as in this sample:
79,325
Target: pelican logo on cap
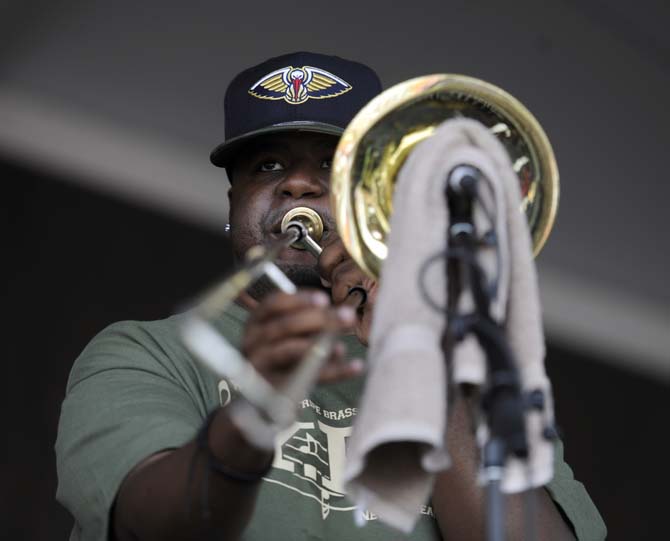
297,85
288,93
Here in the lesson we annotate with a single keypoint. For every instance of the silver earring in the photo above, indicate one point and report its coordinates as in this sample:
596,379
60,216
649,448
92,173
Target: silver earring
226,228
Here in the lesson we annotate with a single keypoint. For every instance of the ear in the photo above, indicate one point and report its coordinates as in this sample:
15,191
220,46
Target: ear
230,202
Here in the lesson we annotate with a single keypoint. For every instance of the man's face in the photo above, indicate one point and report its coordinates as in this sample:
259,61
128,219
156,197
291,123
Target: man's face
272,175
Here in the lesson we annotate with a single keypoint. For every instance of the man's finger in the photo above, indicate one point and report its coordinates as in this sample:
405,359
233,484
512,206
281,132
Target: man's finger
331,256
336,371
345,276
306,321
279,303
281,356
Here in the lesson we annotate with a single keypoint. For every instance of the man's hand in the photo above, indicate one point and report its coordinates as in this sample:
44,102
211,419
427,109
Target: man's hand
340,273
282,328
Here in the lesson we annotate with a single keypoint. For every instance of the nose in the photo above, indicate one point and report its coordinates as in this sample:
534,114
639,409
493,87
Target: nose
302,182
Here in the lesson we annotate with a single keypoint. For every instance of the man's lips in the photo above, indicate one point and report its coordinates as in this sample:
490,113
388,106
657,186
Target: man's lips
276,234
294,253
275,229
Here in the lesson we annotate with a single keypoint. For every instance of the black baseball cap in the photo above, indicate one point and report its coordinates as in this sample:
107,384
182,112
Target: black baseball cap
294,92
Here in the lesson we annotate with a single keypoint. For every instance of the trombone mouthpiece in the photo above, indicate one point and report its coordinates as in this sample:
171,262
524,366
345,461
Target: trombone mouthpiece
308,218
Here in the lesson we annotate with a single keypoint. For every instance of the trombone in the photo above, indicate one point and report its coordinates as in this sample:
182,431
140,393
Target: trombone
302,228
366,163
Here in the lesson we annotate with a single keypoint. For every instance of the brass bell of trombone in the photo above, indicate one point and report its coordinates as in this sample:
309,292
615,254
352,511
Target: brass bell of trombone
379,139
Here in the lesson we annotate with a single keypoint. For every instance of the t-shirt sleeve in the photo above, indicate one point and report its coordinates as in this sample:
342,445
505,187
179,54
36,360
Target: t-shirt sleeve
128,397
574,502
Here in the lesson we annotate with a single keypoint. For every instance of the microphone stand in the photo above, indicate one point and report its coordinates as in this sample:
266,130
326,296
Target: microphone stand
502,401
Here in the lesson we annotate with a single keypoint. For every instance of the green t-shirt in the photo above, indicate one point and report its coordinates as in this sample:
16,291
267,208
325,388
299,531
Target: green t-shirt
135,390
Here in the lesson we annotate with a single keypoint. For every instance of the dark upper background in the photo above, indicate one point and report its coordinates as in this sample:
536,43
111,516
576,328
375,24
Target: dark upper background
108,111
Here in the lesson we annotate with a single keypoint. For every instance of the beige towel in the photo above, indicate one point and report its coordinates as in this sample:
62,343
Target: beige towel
398,442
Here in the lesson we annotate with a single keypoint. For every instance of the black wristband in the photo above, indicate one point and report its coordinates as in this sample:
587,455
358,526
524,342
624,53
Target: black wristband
214,464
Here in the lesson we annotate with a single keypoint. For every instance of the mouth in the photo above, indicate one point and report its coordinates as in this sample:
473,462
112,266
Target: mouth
276,230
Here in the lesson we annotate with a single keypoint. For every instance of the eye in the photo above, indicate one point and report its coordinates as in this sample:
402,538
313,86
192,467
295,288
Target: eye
270,165
326,164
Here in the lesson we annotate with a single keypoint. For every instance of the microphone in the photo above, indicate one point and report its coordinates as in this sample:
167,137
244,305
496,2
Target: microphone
461,191
502,401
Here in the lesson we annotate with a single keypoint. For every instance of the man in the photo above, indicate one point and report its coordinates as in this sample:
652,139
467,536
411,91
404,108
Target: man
140,456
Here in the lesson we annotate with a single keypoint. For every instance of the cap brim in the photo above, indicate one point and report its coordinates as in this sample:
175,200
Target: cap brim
223,153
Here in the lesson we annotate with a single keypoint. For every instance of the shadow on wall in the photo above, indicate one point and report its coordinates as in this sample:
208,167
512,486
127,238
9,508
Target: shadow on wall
75,262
